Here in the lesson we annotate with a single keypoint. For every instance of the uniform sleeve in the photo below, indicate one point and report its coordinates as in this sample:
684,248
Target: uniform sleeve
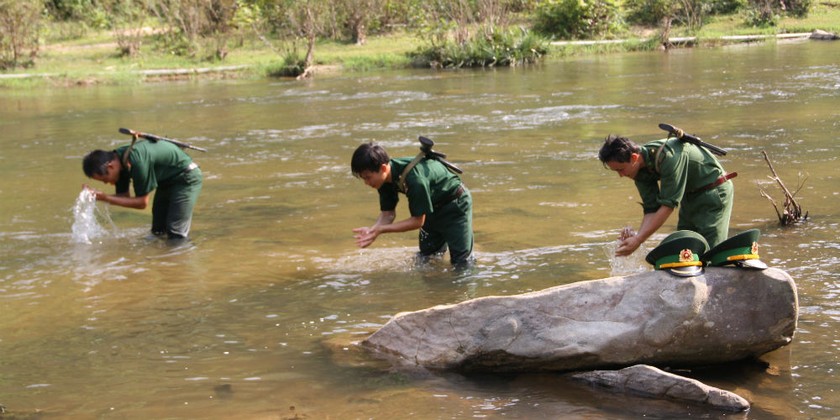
123,183
388,197
142,172
673,176
649,192
124,179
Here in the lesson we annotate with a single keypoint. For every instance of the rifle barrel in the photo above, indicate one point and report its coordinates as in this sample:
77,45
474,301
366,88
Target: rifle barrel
712,148
153,138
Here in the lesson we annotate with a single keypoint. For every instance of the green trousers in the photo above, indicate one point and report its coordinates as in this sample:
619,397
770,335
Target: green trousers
451,226
708,213
174,203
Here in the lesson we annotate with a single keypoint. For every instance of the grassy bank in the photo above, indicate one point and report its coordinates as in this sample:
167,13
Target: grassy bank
93,58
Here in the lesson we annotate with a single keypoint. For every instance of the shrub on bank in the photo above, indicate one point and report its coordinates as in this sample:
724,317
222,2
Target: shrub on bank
502,48
578,19
292,65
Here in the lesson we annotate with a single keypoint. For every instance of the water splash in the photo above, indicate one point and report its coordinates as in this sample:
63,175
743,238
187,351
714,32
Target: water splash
632,264
86,226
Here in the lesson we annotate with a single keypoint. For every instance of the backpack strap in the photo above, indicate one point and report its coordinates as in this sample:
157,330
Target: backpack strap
128,150
401,185
657,157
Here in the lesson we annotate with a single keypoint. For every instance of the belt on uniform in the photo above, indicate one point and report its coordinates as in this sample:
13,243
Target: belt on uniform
723,178
452,197
189,168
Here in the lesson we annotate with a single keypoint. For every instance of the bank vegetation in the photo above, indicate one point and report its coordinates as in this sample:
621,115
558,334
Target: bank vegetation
115,41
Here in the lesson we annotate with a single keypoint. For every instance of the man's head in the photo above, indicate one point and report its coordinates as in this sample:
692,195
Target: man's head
371,164
102,166
621,155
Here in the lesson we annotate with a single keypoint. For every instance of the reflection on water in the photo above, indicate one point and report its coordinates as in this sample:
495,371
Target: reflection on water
256,316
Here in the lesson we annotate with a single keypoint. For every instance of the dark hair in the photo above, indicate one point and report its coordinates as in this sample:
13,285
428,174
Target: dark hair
94,162
368,157
617,149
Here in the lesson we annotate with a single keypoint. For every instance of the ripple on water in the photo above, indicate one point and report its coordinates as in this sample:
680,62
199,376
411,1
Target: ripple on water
535,117
368,261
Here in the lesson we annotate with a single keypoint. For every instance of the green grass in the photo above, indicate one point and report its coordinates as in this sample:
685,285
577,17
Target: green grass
824,15
331,52
379,61
95,59
379,52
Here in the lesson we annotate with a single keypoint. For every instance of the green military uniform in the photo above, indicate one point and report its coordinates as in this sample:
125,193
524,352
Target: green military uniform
439,194
683,175
164,167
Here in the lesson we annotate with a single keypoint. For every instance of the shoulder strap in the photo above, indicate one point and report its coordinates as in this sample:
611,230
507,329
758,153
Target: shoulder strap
657,158
128,151
401,185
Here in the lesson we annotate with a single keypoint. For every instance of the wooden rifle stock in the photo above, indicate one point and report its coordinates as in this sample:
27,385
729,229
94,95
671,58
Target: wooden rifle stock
689,138
426,147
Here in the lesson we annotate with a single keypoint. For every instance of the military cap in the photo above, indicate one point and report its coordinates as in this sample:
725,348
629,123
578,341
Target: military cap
679,253
740,250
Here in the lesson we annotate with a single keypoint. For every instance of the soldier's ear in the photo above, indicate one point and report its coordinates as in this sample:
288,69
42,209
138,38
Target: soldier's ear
385,170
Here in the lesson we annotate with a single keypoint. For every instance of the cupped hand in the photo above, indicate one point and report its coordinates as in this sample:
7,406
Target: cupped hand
95,192
365,236
626,233
627,246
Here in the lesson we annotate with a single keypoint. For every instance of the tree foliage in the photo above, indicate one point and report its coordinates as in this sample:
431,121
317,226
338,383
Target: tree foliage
578,19
191,26
20,23
72,10
762,13
128,20
358,17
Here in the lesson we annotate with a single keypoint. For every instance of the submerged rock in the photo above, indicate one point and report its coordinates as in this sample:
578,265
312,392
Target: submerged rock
649,381
724,315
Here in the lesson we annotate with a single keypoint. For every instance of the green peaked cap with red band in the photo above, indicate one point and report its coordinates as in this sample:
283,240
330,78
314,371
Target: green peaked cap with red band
740,250
679,253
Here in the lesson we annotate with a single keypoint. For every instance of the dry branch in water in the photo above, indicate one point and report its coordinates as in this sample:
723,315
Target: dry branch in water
791,212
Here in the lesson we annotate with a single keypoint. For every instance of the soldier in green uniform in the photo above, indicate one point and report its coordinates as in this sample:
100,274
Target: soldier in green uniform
438,202
150,166
671,173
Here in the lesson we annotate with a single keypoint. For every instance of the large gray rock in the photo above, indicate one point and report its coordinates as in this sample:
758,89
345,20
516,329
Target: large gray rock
649,381
821,35
653,318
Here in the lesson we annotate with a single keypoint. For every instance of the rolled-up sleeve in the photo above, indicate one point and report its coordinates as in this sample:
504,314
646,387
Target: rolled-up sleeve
649,192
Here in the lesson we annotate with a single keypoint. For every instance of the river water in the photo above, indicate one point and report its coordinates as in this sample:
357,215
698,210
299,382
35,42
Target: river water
252,318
